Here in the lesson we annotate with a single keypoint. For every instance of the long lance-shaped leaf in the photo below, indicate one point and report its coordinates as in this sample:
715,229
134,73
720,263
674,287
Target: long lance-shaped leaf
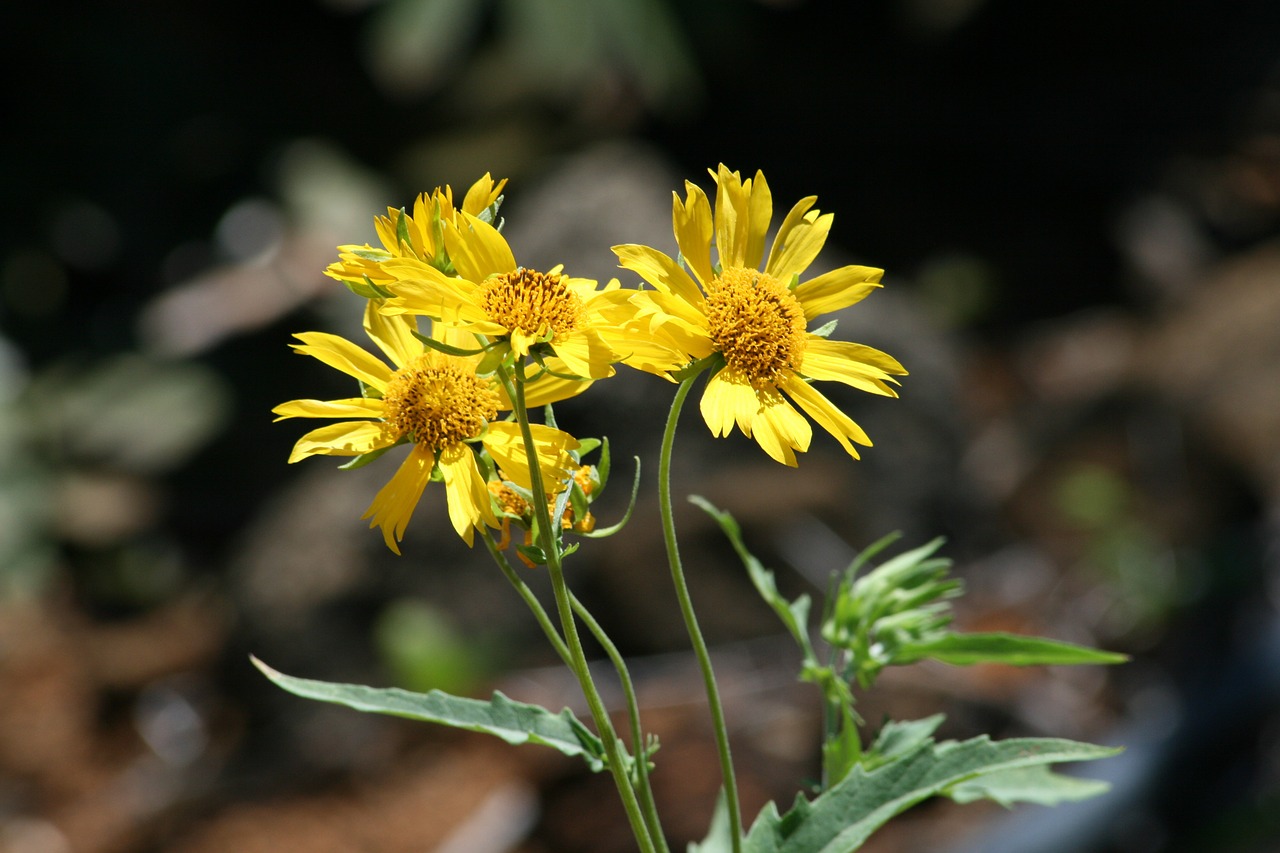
841,819
514,722
794,614
1012,649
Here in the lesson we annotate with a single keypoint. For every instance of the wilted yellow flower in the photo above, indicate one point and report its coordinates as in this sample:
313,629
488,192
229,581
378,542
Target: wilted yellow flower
492,296
418,236
437,403
757,318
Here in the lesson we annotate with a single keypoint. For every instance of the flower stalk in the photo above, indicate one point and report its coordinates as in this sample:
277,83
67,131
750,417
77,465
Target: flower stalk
568,624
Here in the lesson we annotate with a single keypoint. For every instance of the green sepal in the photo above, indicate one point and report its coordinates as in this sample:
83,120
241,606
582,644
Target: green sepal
604,464
533,554
368,290
603,532
402,233
365,458
1010,649
585,445
449,349
514,722
714,362
825,330
369,253
489,215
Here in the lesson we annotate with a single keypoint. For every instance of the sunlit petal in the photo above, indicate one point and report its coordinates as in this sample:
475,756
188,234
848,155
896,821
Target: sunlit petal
349,438
353,407
393,506
341,354
837,289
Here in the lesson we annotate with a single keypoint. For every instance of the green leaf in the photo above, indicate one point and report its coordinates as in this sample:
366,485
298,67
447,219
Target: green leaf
1037,784
899,737
841,819
514,722
1011,649
719,837
794,614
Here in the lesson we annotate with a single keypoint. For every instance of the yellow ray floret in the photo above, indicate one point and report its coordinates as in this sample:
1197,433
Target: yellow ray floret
752,311
442,408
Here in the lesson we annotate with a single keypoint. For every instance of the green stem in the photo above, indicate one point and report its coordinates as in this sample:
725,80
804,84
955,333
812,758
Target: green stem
691,619
577,658
633,712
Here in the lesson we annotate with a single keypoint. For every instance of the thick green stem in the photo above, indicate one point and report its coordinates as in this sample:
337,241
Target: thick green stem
578,660
691,619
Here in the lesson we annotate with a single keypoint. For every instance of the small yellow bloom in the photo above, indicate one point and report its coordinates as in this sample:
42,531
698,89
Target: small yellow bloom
494,297
756,317
439,405
418,236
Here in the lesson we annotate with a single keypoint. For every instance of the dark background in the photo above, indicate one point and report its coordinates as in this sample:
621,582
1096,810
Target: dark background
1075,204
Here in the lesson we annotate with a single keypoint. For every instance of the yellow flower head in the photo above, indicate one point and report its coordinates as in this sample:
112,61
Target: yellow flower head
754,313
492,296
439,405
419,236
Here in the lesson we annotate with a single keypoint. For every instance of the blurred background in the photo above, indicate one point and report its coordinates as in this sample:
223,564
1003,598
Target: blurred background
1077,205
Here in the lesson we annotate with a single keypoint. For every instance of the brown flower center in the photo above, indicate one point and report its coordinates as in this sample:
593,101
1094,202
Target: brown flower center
531,302
756,323
438,401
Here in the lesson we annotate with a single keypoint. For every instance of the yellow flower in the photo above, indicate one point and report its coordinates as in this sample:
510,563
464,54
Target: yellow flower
437,403
419,236
756,318
493,297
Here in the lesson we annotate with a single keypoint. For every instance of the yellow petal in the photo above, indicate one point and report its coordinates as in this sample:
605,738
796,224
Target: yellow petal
450,300
506,446
354,407
781,430
837,289
586,354
795,249
660,271
349,438
830,418
483,193
393,506
392,334
793,218
693,228
546,388
341,354
477,249
468,496
743,210
856,365
728,399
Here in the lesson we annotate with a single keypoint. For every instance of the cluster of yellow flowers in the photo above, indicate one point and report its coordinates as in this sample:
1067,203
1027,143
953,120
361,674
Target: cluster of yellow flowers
450,269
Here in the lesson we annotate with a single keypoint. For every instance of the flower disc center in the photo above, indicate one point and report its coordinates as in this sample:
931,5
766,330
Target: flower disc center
532,303
756,323
438,401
